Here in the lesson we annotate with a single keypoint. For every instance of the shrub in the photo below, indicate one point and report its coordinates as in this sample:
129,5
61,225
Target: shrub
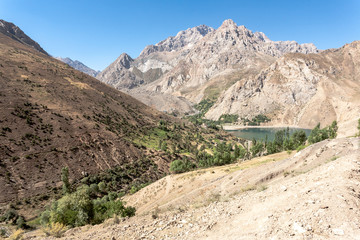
102,186
65,180
78,209
17,235
55,229
179,166
10,216
301,147
20,223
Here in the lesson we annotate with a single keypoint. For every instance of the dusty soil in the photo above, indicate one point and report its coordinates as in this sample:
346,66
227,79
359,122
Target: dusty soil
313,194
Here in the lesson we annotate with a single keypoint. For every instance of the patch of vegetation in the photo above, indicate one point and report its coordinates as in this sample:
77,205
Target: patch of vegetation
256,121
80,208
318,134
122,178
228,118
12,217
204,105
137,187
180,166
54,229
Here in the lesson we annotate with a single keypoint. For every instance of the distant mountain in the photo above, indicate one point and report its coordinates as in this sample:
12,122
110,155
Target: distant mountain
79,66
300,89
153,61
197,63
13,31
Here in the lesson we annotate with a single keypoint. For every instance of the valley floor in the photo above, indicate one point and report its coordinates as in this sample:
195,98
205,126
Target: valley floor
312,194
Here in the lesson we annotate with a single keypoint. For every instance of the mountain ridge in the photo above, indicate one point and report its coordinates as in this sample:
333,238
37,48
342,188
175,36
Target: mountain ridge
79,66
11,30
186,72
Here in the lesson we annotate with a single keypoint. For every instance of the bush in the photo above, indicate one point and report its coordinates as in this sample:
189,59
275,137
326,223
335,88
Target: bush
10,216
179,166
301,147
20,223
78,209
55,229
102,186
17,235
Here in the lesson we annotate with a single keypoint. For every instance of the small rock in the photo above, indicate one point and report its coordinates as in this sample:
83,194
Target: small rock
338,231
298,228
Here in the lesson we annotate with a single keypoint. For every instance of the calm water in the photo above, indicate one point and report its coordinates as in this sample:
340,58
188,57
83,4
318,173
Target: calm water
260,133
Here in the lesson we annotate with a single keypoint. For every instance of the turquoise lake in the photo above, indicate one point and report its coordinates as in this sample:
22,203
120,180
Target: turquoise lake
260,133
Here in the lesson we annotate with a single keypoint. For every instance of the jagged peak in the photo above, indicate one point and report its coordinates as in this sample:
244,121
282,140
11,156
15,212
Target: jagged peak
180,40
228,23
124,60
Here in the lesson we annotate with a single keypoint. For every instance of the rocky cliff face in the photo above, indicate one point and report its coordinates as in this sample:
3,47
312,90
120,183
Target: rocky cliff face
79,66
13,31
301,90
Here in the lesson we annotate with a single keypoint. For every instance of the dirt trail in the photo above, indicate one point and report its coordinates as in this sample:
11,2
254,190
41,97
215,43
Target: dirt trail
313,194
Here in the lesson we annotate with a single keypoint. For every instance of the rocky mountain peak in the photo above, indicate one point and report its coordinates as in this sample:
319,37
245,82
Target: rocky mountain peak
11,30
228,23
124,60
182,39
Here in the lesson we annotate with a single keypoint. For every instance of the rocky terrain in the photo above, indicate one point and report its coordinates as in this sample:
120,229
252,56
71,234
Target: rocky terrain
79,66
312,194
301,90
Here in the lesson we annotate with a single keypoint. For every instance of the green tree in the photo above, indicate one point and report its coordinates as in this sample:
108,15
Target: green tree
65,180
180,166
332,129
314,136
298,138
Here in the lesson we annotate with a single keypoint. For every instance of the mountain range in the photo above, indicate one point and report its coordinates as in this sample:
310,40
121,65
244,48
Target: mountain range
244,73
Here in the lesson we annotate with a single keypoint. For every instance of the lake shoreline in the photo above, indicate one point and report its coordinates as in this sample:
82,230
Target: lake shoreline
239,127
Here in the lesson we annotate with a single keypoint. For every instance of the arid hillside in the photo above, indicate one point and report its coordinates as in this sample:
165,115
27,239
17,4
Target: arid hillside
311,194
53,116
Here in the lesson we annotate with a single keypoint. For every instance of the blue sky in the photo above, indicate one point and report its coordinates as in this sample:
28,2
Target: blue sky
97,32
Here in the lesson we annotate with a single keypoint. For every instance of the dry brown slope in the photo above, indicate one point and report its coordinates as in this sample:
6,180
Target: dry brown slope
53,116
313,194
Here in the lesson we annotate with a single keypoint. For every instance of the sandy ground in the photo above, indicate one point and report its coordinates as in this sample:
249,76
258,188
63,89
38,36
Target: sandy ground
313,194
